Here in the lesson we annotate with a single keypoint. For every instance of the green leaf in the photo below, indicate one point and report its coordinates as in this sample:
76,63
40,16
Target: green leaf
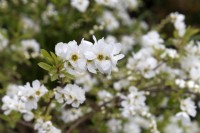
45,66
54,77
54,57
47,56
45,53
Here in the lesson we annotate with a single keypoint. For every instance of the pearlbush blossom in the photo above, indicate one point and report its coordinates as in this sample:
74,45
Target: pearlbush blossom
101,56
70,94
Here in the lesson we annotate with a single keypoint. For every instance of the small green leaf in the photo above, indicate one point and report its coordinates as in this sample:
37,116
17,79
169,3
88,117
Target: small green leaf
54,57
47,56
54,77
45,53
45,66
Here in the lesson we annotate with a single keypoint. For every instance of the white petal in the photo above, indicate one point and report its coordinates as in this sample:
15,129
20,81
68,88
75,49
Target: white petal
91,68
81,64
36,84
89,55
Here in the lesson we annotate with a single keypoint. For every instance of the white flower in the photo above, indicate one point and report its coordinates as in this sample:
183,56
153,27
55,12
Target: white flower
50,12
33,93
109,21
144,63
70,94
30,48
179,24
61,50
87,51
188,106
127,43
101,55
110,3
45,127
23,99
106,55
81,5
87,81
104,96
133,103
114,125
152,38
172,53
29,25
132,127
173,128
132,4
71,115
123,83
74,56
60,94
181,83
184,117
8,104
12,90
28,116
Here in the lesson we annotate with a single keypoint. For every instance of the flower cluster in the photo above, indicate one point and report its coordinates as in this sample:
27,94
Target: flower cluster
188,108
80,5
101,56
179,24
70,94
31,48
71,115
158,80
133,103
23,99
45,127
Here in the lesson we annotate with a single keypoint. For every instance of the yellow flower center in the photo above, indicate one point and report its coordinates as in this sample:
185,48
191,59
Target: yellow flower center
100,57
74,57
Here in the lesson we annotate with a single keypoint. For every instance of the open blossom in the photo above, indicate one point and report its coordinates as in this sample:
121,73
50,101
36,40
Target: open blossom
179,24
133,103
184,117
172,53
132,4
132,127
188,106
23,98
106,55
71,115
87,81
70,94
61,50
188,109
152,39
143,62
109,21
30,47
104,96
45,127
29,25
114,125
50,12
33,93
75,56
102,56
81,5
109,3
